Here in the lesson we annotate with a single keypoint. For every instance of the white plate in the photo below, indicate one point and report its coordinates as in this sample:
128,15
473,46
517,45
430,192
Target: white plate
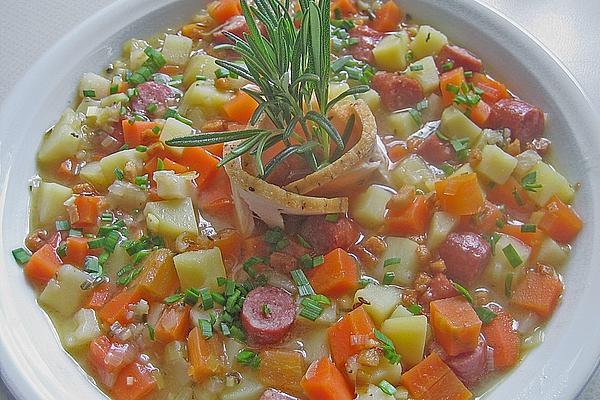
31,360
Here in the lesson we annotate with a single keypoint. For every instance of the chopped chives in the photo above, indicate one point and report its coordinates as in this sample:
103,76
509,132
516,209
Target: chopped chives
304,287
248,358
102,258
266,310
221,73
21,255
416,67
191,296
452,88
92,265
119,174
303,242
493,240
415,309
174,298
106,217
310,309
160,164
206,328
206,298
318,260
151,332
62,225
447,169
156,130
447,66
89,93
464,292
96,243
416,116
529,182
391,261
142,181
238,334
508,284
512,256
218,298
389,351
75,233
388,277
422,105
152,108
332,217
141,148
125,146
528,228
386,387
200,77
468,74
114,88
321,299
225,329
61,250
485,314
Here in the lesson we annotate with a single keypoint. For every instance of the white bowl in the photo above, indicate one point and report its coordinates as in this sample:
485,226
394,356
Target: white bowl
32,361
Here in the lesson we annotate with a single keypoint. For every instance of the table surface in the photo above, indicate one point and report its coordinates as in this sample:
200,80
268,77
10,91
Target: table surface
568,28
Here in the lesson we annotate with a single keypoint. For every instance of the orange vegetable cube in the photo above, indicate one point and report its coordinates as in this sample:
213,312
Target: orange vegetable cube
512,195
134,382
449,82
455,324
240,108
174,323
387,17
412,220
282,369
503,338
77,250
323,381
531,239
205,355
492,90
222,10
116,309
539,291
560,221
350,335
338,275
199,160
345,7
87,209
159,277
43,265
134,131
460,195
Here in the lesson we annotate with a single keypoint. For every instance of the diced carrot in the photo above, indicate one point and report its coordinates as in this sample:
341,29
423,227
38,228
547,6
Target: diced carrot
86,211
492,90
350,335
194,31
230,243
512,195
100,296
255,246
485,221
116,309
455,324
170,70
345,7
539,292
455,78
173,166
222,10
77,250
133,131
43,265
135,382
397,152
240,108
411,220
531,239
282,369
503,338
480,113
560,221
432,379
337,276
323,381
387,17
123,87
215,149
460,195
205,355
173,324
199,160
159,277
216,199
99,356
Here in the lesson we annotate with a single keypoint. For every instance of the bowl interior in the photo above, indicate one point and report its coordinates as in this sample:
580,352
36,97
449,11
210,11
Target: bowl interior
31,359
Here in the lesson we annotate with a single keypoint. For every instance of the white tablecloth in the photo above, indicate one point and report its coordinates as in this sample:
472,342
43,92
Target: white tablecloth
570,29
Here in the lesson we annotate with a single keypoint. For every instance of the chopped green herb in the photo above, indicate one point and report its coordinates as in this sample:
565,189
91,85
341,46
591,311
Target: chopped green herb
119,174
61,250
206,298
114,88
447,66
142,181
156,130
266,310
248,358
96,243
221,73
386,387
512,256
485,314
447,169
388,277
63,225
141,148
529,182
21,255
518,198
387,346
191,296
321,299
89,93
160,164
452,88
106,217
303,242
304,287
468,74
508,280
500,223
416,67
151,332
332,217
174,298
391,261
422,105
493,240
206,328
464,292
461,147
200,77
92,265
416,116
415,309
528,228
152,108
75,233
310,309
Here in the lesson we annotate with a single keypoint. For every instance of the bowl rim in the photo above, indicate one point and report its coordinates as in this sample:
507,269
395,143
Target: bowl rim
15,377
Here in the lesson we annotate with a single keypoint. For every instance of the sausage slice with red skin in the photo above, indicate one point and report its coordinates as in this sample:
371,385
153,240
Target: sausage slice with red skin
397,91
471,367
152,93
459,57
526,122
465,254
435,151
272,326
367,40
439,288
325,236
272,394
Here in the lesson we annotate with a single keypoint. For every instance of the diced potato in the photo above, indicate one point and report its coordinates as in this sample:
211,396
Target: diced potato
316,345
205,96
372,99
368,209
428,77
86,329
435,107
201,64
126,195
117,260
553,183
92,173
116,160
96,83
402,124
525,162
174,186
552,254
406,250
176,49
408,335
170,218
64,294
457,125
247,389
390,52
401,311
63,141
48,203
428,42
412,171
465,169
199,269
500,266
172,129
137,57
496,164
382,301
374,393
175,367
442,223
385,370
336,88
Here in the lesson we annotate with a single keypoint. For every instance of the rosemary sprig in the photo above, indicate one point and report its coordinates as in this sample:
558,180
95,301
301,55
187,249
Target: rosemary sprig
290,69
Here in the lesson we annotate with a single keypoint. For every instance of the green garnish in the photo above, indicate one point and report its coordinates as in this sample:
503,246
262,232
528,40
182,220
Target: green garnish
174,298
248,358
386,387
21,255
415,309
461,147
310,309
512,256
206,328
528,228
508,284
152,108
528,182
119,174
151,332
332,217
447,66
485,314
62,225
416,67
391,261
141,148
464,292
387,346
89,93
304,287
191,296
388,277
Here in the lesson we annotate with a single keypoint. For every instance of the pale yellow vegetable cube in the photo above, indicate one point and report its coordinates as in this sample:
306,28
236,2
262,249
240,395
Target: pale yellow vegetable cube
92,173
551,253
64,294
205,96
172,129
316,345
402,123
176,49
336,89
170,218
401,311
408,335
457,125
553,183
428,42
385,370
201,64
382,300
390,52
199,269
117,260
525,162
405,250
465,169
86,329
63,141
137,56
372,99
496,164
174,186
500,265
118,160
412,171
99,85
435,107
425,71
48,203
442,223
368,209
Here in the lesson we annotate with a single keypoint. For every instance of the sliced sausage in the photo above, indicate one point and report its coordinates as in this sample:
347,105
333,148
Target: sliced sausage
471,367
397,91
465,254
439,288
526,122
272,394
325,236
367,40
236,25
283,262
435,151
289,170
268,314
459,57
152,93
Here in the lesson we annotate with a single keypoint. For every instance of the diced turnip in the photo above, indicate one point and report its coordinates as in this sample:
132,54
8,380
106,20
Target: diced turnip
409,335
552,183
199,65
368,209
174,186
63,141
500,264
425,71
247,389
205,96
86,329
402,124
427,42
118,160
48,203
92,173
199,269
390,52
176,49
404,251
457,125
64,294
412,171
372,99
435,107
442,223
381,300
551,253
172,129
93,86
496,164
171,217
